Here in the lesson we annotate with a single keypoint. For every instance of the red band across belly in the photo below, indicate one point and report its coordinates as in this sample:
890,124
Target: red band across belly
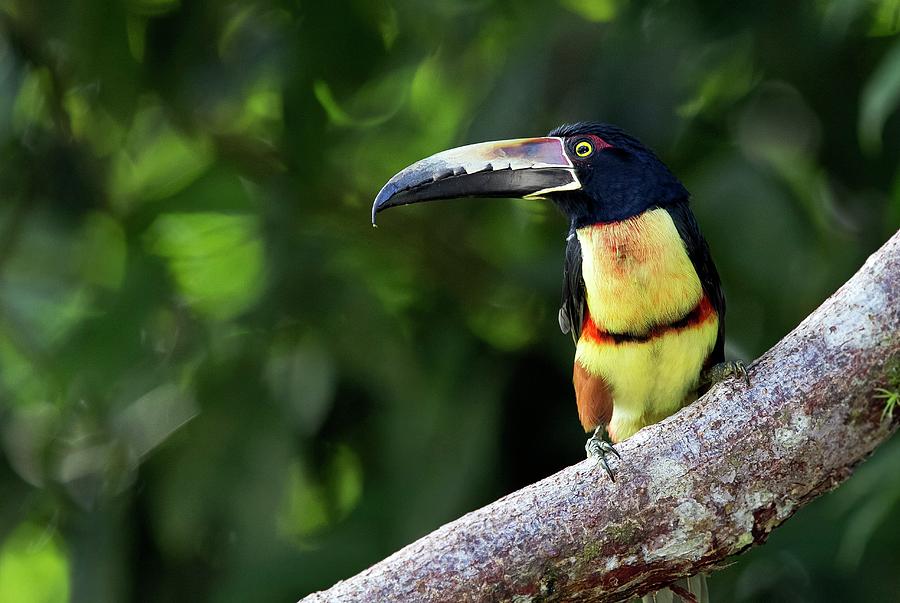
701,313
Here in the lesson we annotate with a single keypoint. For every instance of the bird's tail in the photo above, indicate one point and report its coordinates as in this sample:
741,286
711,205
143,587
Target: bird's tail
686,590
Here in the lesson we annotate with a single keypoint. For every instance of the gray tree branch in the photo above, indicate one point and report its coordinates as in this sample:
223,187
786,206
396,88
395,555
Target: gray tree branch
705,484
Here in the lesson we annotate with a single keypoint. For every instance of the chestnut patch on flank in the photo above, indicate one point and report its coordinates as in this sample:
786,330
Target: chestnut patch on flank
594,398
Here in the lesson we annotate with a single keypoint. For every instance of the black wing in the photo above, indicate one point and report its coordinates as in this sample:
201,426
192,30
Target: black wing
698,251
571,312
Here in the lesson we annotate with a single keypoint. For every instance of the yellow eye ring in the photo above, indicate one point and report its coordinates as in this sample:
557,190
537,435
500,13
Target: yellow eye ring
584,148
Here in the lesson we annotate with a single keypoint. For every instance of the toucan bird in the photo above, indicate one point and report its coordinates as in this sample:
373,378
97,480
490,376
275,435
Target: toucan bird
641,296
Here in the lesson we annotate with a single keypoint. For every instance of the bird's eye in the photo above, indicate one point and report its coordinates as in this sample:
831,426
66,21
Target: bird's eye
584,148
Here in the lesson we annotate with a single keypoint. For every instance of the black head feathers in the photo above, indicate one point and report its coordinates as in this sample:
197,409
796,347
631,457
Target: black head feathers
620,177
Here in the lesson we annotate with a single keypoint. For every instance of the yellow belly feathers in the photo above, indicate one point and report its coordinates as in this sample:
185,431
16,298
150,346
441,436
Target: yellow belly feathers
638,276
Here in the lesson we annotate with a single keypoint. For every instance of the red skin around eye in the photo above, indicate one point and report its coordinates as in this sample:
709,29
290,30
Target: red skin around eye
599,143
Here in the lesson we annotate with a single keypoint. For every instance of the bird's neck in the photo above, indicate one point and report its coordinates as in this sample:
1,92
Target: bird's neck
583,211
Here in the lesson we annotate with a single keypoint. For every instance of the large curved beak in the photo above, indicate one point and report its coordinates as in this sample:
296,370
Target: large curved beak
524,167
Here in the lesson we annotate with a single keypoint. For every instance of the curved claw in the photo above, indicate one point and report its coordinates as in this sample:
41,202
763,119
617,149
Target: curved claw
724,370
597,448
739,369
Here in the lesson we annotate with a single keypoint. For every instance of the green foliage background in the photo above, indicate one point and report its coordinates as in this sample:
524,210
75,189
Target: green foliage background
218,382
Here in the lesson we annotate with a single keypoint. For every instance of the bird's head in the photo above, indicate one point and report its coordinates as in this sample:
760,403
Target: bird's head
592,172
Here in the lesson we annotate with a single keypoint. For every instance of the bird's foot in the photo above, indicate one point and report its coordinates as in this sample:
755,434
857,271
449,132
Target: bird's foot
724,370
597,448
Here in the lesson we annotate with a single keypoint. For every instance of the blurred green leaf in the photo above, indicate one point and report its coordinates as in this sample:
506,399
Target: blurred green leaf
724,80
22,382
598,11
879,99
506,320
33,567
375,103
156,162
151,419
216,259
388,25
839,15
892,212
103,251
305,509
31,108
262,111
136,27
302,379
346,480
388,274
886,20
43,296
437,101
33,425
90,122
310,505
153,8
867,502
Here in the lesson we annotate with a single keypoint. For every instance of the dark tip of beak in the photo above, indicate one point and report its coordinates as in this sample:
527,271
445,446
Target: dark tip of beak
382,201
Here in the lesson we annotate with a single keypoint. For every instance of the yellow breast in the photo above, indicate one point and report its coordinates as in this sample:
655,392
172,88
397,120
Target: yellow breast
638,276
637,273
649,380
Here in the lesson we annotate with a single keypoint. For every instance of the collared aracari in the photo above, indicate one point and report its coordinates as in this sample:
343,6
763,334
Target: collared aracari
641,294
